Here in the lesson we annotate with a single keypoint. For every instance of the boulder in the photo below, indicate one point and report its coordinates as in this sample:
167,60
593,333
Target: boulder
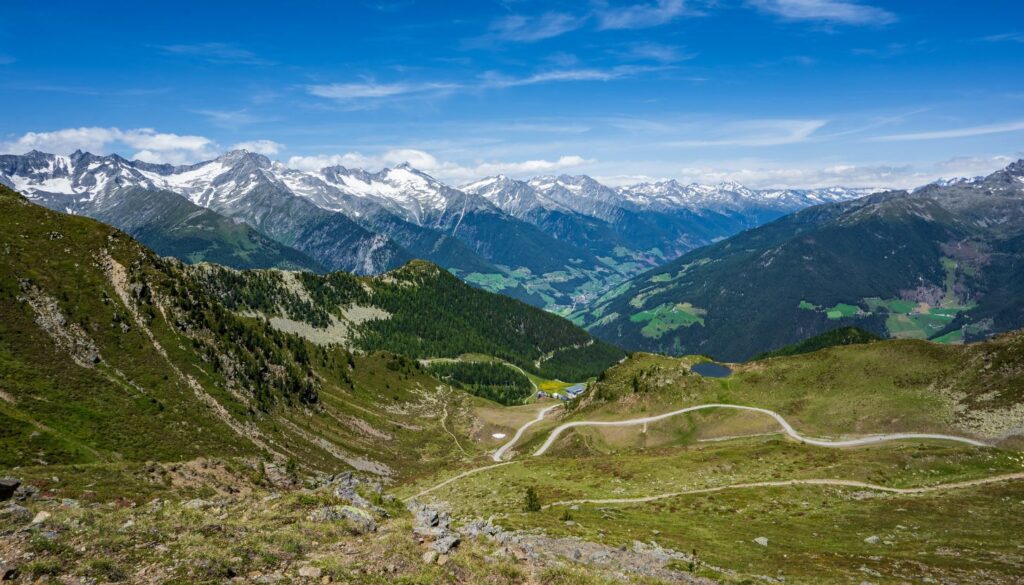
872,539
761,541
445,544
430,557
362,520
41,517
310,572
8,486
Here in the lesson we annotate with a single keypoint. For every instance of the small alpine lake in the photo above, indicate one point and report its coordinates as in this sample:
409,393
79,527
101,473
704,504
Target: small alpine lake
711,370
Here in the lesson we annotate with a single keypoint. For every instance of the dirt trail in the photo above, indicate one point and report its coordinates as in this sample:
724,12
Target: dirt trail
519,432
458,477
792,482
786,427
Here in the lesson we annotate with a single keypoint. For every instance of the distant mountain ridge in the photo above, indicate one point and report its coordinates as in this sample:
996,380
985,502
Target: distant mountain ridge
556,242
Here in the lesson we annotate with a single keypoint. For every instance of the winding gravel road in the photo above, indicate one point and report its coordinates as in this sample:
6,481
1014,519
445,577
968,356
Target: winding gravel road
789,430
519,433
792,482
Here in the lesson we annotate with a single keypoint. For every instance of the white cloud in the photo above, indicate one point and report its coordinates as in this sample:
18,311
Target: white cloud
753,133
640,15
834,11
528,29
428,163
90,139
529,166
150,139
265,147
954,133
151,146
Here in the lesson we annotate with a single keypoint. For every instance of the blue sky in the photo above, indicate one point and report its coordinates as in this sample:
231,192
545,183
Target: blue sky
766,92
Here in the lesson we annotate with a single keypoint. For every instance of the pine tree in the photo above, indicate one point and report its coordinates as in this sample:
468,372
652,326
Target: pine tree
532,501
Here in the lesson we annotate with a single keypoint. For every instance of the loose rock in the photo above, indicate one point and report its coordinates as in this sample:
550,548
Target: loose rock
16,513
761,541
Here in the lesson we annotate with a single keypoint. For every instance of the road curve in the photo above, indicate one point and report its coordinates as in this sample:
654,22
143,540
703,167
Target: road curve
792,482
789,430
519,433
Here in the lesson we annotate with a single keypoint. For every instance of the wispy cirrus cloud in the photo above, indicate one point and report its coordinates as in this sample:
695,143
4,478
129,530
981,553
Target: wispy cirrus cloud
640,15
752,133
1013,37
522,28
85,90
772,175
891,50
216,53
1013,126
658,52
830,11
368,91
231,119
371,90
497,80
529,29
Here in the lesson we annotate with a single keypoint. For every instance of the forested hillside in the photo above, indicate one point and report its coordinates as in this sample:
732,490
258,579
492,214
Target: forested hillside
418,310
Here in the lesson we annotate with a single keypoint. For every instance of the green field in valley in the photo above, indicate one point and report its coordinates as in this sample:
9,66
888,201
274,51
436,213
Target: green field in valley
668,317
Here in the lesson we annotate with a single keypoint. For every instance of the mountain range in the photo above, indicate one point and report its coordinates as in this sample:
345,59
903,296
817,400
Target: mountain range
555,242
944,262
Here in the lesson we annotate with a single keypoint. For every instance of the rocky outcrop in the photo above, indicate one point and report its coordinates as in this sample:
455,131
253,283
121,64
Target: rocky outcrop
70,338
433,526
359,512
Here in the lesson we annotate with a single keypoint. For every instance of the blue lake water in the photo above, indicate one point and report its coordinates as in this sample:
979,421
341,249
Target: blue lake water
711,370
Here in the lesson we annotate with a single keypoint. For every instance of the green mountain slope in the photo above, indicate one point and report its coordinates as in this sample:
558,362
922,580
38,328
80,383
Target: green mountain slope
111,356
941,263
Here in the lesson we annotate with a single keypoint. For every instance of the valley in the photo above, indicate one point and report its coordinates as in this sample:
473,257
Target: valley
938,263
